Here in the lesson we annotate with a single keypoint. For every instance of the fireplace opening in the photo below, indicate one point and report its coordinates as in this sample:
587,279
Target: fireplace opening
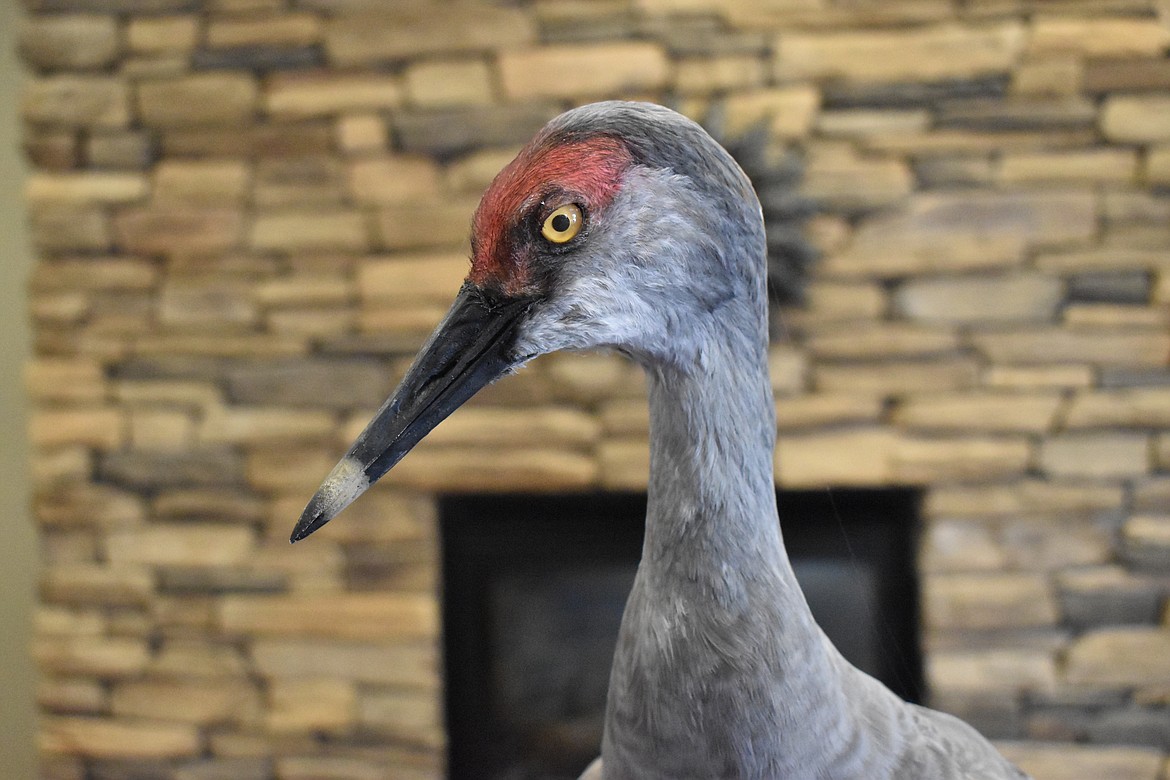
535,585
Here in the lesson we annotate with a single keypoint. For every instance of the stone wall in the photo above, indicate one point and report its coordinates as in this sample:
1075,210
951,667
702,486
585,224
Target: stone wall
249,212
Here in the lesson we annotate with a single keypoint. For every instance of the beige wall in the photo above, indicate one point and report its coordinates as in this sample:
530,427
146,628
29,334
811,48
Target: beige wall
17,546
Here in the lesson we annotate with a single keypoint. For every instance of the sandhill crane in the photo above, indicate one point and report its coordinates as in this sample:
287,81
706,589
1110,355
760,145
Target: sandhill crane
624,225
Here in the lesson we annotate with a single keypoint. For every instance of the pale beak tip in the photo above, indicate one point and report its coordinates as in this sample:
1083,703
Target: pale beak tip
340,488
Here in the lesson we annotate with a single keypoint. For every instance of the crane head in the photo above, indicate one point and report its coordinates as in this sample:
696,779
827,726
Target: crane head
621,225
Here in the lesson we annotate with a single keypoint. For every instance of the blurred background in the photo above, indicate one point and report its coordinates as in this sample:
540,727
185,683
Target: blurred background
246,215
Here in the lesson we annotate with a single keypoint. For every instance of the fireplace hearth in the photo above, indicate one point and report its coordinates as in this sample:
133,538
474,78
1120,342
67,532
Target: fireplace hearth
534,588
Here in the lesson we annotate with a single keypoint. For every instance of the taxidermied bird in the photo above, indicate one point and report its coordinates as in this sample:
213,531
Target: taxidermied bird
625,226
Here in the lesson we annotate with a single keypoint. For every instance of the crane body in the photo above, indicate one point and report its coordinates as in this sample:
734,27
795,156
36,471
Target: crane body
625,226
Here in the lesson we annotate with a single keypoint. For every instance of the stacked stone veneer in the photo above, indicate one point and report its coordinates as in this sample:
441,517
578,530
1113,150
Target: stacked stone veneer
249,212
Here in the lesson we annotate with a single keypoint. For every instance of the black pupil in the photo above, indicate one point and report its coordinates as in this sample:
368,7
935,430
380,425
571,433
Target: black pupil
560,223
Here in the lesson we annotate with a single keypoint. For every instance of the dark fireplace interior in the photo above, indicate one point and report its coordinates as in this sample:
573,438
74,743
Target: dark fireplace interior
534,588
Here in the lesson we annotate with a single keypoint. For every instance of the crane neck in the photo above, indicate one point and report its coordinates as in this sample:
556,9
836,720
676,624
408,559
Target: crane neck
711,494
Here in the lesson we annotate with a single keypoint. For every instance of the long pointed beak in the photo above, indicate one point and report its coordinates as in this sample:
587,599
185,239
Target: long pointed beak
469,349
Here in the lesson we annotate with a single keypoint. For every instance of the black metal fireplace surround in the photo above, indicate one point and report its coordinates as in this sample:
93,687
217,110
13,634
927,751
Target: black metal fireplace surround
534,587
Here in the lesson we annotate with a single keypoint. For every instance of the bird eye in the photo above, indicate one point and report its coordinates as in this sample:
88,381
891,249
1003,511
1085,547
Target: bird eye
561,225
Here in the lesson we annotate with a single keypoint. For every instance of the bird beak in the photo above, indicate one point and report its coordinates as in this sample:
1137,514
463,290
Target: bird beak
469,349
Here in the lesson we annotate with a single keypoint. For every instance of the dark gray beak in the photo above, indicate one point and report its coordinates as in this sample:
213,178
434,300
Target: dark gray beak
472,347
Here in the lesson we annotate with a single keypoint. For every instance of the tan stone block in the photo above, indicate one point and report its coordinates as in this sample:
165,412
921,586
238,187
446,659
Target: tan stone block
1016,297
165,430
197,100
160,34
412,279
881,339
352,616
197,658
311,705
304,290
813,411
69,41
1120,657
85,188
556,71
70,229
301,180
988,601
832,301
180,544
1136,118
924,53
549,426
444,83
286,469
412,30
1036,377
393,180
361,133
625,418
312,323
863,123
896,377
324,94
1143,407
1102,315
412,665
1158,165
1146,541
1055,74
243,425
117,739
1083,762
927,460
99,427
983,230
1114,347
1028,497
308,230
1106,258
858,456
979,411
407,715
465,469
60,308
962,545
788,110
1098,36
64,379
98,656
850,183
1107,455
91,505
285,29
205,301
202,702
413,225
76,101
72,696
1104,166
624,463
472,174
179,230
728,72
976,672
192,394
95,584
204,182
52,621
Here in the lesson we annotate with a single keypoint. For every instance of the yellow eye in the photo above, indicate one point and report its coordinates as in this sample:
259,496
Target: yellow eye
562,224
